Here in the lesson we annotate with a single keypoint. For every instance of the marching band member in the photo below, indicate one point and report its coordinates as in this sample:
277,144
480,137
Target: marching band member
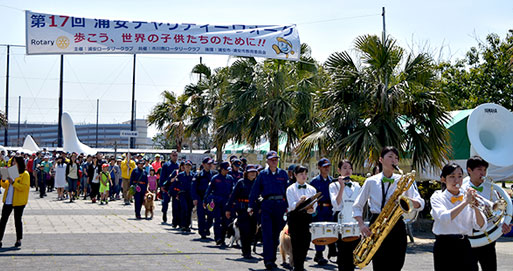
299,221
324,210
343,193
476,168
454,218
377,190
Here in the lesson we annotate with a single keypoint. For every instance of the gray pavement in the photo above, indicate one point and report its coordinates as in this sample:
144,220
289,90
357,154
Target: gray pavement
83,236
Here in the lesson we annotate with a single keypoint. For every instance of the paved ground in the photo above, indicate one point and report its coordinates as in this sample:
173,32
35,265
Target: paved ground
82,236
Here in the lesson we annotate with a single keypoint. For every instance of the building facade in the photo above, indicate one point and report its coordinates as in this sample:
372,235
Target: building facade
45,135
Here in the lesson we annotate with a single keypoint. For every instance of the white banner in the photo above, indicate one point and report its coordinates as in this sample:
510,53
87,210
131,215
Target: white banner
57,34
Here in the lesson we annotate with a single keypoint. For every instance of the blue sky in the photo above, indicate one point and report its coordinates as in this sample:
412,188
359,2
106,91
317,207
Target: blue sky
449,27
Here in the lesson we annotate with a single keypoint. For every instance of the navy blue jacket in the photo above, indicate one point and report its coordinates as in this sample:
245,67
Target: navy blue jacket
140,178
237,175
220,187
167,168
184,181
240,195
200,184
268,184
322,186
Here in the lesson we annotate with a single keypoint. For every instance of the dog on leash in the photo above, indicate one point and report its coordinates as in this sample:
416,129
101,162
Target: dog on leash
149,204
233,231
286,246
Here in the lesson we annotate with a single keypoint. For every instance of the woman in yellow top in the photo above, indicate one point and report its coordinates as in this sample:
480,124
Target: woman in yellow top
15,197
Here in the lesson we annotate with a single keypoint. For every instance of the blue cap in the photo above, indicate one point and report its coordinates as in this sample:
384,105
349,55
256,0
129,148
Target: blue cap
233,157
271,155
188,162
324,162
243,159
236,162
225,165
291,167
207,160
251,168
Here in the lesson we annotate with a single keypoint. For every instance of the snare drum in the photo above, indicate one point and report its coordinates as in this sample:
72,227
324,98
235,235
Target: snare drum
349,231
324,233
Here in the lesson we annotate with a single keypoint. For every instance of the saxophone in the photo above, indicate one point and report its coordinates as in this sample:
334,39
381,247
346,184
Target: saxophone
391,213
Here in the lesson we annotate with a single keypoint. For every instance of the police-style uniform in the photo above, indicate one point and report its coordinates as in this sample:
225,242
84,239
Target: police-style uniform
484,255
452,250
219,191
272,187
299,223
377,190
349,195
199,188
239,201
324,208
167,169
140,179
184,184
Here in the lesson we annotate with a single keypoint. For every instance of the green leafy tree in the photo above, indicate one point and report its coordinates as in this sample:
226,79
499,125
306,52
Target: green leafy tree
168,116
384,97
485,75
270,98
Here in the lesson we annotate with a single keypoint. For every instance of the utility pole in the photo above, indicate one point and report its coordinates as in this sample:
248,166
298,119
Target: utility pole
19,116
384,38
61,84
132,120
6,135
97,114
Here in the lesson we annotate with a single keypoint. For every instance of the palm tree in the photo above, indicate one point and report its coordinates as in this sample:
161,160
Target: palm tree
388,99
168,116
269,99
204,98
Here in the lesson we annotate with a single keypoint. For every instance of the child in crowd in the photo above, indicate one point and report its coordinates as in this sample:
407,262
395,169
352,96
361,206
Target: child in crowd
105,183
152,181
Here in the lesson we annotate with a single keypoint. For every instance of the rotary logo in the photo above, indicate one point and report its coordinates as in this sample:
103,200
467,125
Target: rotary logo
62,42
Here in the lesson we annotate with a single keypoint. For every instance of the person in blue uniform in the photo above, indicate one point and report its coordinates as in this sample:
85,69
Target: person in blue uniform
239,201
271,184
244,163
235,171
167,169
199,187
140,180
219,191
184,183
290,172
324,208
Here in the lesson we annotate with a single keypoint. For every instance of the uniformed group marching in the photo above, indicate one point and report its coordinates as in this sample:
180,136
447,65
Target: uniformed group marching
267,199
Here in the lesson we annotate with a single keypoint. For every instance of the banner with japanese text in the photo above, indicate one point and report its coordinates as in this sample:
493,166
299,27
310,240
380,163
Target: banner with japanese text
58,34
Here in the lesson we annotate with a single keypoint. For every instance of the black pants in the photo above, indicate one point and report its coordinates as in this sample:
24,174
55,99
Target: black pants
42,188
185,209
485,256
18,213
452,253
95,189
345,254
247,227
392,252
175,211
300,237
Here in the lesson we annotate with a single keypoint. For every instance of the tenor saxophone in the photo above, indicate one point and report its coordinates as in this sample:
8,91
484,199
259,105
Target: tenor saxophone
393,210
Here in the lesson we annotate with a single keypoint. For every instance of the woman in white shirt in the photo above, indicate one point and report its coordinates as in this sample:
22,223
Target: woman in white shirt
343,194
455,217
299,221
60,177
377,191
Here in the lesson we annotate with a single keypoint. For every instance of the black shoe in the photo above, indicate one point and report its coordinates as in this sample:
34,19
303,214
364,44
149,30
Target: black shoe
203,236
320,260
248,257
17,244
270,266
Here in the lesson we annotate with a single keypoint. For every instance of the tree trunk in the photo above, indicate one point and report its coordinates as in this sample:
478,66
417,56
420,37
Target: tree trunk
219,152
274,139
178,145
